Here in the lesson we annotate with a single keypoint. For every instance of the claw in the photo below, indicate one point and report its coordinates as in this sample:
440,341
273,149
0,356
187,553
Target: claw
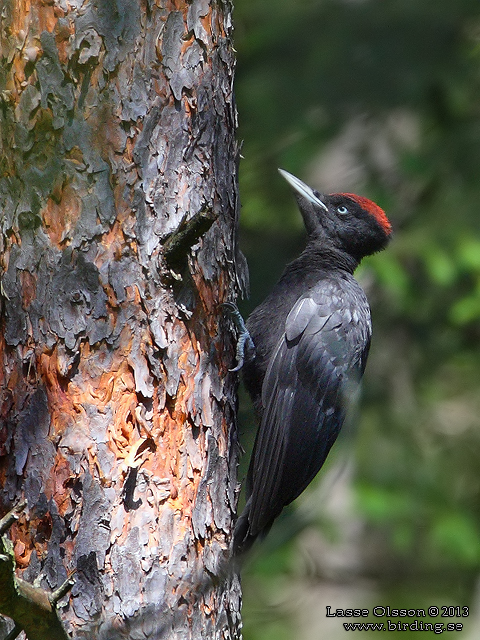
244,338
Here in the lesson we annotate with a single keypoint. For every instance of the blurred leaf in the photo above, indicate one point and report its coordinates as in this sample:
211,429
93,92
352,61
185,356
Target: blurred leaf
403,537
469,254
380,504
440,265
457,536
391,274
466,310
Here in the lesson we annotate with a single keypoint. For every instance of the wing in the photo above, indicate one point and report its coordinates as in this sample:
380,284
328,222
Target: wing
312,374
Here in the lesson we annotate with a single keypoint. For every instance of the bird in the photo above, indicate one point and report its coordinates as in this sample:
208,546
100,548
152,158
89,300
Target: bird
303,352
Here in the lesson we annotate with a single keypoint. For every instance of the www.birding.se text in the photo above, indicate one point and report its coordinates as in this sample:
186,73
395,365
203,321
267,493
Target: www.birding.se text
436,627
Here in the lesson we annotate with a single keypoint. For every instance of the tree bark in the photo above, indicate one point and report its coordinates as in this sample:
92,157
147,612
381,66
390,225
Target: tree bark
118,196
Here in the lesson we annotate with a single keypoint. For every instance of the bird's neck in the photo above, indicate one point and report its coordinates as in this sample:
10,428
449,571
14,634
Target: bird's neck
322,257
314,264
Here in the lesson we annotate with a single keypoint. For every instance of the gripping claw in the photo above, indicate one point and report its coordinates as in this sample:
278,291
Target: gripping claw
245,344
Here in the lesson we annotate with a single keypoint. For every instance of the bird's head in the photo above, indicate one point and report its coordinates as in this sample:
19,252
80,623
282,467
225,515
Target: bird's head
351,223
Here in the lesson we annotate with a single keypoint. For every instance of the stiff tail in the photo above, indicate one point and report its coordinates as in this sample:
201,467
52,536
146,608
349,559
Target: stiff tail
242,538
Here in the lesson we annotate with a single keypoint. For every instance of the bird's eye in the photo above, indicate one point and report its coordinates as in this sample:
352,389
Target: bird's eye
342,210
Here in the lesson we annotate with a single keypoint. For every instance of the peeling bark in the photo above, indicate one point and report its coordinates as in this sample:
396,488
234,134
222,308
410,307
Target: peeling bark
118,199
23,601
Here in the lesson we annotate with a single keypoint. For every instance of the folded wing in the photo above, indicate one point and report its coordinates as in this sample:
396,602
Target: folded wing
312,375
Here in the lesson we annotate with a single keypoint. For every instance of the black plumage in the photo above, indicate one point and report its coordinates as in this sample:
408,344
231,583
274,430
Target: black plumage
311,336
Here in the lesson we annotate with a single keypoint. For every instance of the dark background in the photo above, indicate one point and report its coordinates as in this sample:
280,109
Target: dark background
378,97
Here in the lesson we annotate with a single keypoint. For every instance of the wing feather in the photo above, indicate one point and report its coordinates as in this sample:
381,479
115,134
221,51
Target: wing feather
314,367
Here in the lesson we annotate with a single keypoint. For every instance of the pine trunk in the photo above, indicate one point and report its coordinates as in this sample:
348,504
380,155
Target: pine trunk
118,196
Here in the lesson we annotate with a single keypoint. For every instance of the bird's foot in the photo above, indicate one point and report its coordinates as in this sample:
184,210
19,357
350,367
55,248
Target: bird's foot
245,344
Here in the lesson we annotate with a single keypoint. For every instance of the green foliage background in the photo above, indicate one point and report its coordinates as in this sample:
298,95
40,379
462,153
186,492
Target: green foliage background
307,71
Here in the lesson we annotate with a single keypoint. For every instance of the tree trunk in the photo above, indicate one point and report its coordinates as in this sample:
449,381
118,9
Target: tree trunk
118,196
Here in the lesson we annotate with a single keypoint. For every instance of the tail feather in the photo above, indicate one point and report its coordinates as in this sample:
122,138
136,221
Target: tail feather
242,537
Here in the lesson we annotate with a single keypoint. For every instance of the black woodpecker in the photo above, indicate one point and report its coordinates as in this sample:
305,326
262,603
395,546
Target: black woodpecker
311,338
